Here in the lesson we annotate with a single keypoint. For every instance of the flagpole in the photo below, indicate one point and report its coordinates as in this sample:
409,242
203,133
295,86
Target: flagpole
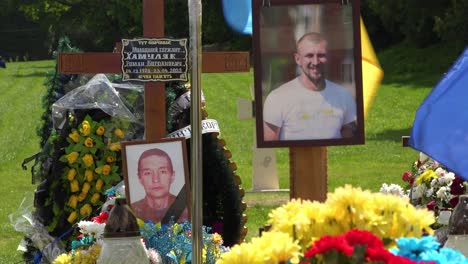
196,169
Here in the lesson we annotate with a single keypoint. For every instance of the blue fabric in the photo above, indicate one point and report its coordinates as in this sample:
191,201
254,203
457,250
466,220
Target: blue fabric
440,127
238,15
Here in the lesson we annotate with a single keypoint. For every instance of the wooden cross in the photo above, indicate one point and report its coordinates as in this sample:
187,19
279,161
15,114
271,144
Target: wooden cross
155,103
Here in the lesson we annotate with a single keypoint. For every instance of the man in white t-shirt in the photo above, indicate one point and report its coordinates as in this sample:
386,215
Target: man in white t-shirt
309,106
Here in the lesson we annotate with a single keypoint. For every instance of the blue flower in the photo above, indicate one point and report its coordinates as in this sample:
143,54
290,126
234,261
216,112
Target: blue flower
427,249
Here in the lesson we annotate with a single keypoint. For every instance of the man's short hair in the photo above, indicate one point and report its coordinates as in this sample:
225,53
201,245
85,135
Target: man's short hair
154,152
314,37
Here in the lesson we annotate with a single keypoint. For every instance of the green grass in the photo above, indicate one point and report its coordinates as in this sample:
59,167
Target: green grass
409,75
20,103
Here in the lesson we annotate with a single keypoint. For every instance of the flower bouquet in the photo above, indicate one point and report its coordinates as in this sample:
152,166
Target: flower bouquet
432,185
351,226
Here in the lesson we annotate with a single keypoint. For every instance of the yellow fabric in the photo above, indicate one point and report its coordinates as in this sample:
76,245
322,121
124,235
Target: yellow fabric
372,73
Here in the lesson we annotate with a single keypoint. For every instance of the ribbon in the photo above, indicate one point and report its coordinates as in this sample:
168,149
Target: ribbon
208,126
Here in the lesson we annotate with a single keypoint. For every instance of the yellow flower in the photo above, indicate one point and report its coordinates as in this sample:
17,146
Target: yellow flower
217,239
88,160
74,186
115,146
89,142
71,174
82,196
99,184
72,157
119,133
72,217
277,247
110,159
74,136
106,169
73,201
242,254
426,176
63,259
86,187
86,210
85,128
89,175
100,130
95,198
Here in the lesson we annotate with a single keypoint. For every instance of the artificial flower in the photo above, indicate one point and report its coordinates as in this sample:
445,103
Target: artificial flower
74,136
241,254
100,131
74,186
63,259
110,159
95,198
115,146
71,174
73,201
433,186
72,217
82,196
86,187
92,228
427,175
99,184
89,175
88,160
387,216
106,169
427,249
101,218
394,189
72,157
86,210
85,128
89,143
119,133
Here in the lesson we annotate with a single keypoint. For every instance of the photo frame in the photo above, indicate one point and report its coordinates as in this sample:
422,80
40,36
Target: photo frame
156,176
317,103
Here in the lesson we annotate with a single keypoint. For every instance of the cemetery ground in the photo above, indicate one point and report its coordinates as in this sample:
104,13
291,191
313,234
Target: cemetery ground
410,73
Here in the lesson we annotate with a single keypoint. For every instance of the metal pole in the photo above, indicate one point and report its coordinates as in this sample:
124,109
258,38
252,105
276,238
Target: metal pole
196,169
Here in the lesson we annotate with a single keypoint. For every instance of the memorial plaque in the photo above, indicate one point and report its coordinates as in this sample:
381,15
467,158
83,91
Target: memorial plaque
151,59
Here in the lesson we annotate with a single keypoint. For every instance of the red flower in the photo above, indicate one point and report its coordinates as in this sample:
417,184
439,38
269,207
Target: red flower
363,237
431,205
407,176
101,218
383,255
457,186
453,202
327,243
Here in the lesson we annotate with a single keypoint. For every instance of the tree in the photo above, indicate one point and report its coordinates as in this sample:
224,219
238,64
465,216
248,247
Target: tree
97,25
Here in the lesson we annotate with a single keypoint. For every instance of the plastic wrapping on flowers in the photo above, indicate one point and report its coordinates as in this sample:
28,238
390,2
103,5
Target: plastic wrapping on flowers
98,93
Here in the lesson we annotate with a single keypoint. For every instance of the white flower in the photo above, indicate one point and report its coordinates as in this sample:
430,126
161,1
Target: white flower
440,172
91,228
450,176
393,189
442,192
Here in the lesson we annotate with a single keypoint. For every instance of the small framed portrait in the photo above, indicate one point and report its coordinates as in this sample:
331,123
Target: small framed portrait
156,178
308,82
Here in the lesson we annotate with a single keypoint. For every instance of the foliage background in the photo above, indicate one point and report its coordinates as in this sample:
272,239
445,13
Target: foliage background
43,22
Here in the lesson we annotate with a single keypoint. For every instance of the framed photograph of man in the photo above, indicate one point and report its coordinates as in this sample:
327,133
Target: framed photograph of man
156,178
308,82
